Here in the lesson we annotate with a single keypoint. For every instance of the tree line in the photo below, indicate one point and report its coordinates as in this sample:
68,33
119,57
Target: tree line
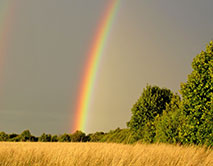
159,115
26,136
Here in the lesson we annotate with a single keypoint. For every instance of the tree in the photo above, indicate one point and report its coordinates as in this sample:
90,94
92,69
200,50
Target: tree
3,136
34,139
25,136
197,95
96,137
45,138
151,103
64,138
169,123
54,138
14,137
78,136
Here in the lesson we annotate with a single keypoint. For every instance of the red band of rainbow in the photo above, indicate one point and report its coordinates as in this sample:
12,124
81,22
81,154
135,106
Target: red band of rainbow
91,68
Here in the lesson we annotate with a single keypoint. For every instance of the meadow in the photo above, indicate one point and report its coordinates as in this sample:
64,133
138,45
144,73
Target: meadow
102,154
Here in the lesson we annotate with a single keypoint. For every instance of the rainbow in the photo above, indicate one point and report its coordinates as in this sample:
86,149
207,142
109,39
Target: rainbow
90,71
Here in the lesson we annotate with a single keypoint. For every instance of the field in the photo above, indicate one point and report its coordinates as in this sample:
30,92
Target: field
102,154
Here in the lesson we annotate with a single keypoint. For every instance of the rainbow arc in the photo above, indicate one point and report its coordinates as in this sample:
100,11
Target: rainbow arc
91,68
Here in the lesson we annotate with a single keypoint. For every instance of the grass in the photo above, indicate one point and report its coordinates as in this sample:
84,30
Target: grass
102,154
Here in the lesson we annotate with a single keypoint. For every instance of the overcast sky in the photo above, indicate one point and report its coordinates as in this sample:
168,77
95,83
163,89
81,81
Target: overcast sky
151,41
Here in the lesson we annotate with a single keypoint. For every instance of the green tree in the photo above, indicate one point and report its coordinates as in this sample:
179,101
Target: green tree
4,136
151,103
54,138
34,139
169,123
96,137
78,136
25,136
45,138
197,95
49,137
64,138
14,137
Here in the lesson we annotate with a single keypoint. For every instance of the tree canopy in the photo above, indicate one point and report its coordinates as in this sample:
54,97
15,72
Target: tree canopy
197,94
151,103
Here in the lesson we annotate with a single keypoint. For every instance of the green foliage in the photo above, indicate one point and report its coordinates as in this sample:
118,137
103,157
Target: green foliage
45,138
151,104
119,136
168,125
3,136
197,95
148,133
25,136
78,136
96,137
64,138
54,138
14,137
34,139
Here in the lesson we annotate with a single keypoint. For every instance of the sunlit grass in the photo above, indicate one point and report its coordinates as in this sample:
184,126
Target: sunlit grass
102,154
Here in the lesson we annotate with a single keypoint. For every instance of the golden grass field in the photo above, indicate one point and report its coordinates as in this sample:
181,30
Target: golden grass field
102,154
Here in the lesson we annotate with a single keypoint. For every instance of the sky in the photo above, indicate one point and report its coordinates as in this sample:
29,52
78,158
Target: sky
150,42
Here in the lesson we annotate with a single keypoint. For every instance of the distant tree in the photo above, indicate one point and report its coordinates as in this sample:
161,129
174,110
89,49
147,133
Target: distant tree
42,138
34,138
25,136
49,137
4,136
54,138
96,137
197,95
64,138
14,137
78,136
151,104
45,138
119,136
87,138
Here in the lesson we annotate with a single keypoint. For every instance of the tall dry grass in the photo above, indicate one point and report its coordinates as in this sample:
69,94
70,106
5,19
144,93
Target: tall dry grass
102,154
